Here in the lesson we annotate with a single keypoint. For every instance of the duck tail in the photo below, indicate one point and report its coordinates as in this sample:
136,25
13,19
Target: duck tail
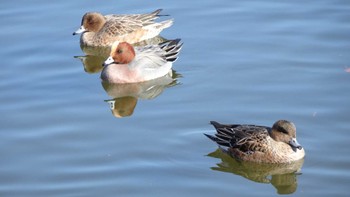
216,124
156,13
150,17
154,28
219,141
165,24
224,134
172,49
220,126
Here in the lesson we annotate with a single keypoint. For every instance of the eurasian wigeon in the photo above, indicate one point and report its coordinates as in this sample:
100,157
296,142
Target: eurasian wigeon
127,64
99,30
259,143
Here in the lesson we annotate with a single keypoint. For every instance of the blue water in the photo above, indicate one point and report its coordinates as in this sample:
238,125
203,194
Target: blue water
242,62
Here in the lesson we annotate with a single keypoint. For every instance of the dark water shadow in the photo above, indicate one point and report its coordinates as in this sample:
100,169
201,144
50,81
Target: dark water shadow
125,96
282,176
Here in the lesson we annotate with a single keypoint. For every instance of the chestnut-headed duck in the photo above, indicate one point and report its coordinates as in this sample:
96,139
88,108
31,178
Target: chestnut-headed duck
98,30
127,64
259,143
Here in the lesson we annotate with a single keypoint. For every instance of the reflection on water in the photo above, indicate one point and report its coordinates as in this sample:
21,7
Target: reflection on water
282,176
125,96
122,107
95,56
92,63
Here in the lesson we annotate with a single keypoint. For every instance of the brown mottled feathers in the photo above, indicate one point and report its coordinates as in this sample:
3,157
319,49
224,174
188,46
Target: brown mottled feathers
259,143
242,137
124,24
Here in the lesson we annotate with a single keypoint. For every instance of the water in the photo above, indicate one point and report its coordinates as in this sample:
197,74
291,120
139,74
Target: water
242,62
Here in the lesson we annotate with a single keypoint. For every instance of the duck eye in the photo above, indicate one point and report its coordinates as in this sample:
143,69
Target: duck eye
284,131
119,51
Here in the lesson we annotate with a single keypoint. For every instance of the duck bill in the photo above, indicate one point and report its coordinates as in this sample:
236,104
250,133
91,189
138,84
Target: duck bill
79,31
108,61
294,144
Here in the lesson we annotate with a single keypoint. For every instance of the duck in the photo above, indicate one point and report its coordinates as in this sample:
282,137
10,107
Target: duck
101,31
259,144
128,64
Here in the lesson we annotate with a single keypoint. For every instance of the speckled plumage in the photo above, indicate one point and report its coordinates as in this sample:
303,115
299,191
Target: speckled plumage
99,30
259,143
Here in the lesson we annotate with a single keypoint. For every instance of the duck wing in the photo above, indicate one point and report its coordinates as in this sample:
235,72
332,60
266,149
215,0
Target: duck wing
117,25
247,138
153,57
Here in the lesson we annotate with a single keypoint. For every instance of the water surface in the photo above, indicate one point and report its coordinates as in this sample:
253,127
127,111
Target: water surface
242,62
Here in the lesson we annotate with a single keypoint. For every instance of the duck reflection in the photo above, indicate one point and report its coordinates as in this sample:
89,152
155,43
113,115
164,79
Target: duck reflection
95,56
125,96
122,107
91,63
282,176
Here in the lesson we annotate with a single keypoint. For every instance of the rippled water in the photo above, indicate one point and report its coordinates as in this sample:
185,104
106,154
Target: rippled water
242,62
